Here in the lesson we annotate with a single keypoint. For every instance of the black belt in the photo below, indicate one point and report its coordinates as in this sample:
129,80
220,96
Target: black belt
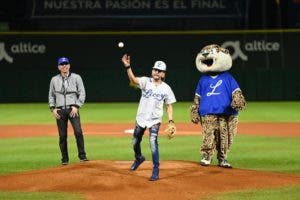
64,107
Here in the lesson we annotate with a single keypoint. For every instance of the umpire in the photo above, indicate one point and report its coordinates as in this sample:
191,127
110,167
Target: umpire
66,96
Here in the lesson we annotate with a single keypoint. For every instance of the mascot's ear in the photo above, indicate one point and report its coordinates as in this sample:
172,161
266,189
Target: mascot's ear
229,60
226,51
198,61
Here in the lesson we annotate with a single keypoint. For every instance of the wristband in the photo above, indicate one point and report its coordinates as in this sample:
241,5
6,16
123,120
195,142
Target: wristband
127,67
171,121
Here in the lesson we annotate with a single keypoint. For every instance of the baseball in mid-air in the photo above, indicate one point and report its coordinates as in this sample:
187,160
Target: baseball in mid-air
120,44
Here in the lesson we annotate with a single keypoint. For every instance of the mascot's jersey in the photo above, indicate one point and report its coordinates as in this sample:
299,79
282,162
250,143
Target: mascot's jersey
151,104
216,94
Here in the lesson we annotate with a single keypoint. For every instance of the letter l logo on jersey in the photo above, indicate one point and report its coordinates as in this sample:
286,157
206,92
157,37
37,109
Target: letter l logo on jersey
214,87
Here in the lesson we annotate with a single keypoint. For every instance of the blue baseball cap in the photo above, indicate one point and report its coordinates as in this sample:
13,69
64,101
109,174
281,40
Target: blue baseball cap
63,60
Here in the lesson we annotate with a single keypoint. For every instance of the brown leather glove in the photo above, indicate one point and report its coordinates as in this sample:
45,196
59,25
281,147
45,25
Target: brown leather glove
171,129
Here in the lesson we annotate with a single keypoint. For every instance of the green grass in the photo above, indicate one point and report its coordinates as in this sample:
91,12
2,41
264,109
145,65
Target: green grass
43,152
248,152
271,112
38,113
266,153
40,196
288,193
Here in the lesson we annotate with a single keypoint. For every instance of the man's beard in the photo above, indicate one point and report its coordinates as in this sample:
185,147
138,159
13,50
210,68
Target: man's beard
156,78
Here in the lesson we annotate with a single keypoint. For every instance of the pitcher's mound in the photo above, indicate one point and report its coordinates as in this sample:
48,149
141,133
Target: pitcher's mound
113,180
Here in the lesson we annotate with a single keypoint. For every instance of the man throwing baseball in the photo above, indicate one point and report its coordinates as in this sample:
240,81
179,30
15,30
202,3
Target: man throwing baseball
155,93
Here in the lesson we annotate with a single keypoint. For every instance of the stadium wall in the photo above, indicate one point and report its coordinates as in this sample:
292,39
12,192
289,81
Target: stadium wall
264,62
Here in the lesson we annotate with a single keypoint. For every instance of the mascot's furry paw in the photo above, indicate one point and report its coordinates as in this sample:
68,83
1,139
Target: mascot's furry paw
195,118
238,100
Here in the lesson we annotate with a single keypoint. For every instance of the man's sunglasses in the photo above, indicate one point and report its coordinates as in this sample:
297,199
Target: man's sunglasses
158,70
64,63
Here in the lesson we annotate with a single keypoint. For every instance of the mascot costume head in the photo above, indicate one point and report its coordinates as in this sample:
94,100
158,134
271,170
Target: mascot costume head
218,98
212,59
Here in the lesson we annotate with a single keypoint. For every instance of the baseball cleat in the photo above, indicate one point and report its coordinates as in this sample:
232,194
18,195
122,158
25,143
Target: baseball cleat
137,163
225,164
205,162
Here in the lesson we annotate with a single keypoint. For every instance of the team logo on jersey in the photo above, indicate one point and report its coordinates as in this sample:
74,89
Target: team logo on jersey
214,87
4,55
150,93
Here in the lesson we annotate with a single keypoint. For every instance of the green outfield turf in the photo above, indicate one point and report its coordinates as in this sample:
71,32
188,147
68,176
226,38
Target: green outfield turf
249,152
40,196
288,193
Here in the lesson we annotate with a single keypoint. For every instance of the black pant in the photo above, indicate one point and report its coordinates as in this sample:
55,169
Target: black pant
62,125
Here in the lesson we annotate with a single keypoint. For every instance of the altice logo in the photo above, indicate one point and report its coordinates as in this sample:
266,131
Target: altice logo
251,46
4,55
21,48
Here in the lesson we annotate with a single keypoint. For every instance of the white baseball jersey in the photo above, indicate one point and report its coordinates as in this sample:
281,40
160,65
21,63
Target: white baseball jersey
153,98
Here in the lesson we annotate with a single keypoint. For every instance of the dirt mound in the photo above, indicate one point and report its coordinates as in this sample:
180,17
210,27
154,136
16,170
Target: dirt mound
113,180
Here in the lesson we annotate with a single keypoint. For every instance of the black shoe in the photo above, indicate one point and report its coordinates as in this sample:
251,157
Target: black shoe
83,159
155,175
137,163
64,163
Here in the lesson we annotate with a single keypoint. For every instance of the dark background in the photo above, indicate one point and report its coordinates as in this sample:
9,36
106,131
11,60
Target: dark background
85,15
174,31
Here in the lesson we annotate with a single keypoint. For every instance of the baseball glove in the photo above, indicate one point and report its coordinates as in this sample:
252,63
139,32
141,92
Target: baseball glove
170,130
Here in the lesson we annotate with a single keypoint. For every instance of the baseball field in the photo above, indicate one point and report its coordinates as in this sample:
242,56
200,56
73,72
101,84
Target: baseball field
265,156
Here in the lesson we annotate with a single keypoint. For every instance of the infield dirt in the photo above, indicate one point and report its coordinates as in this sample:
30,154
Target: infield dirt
112,180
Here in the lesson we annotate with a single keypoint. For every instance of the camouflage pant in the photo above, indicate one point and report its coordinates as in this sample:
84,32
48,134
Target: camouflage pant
218,133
